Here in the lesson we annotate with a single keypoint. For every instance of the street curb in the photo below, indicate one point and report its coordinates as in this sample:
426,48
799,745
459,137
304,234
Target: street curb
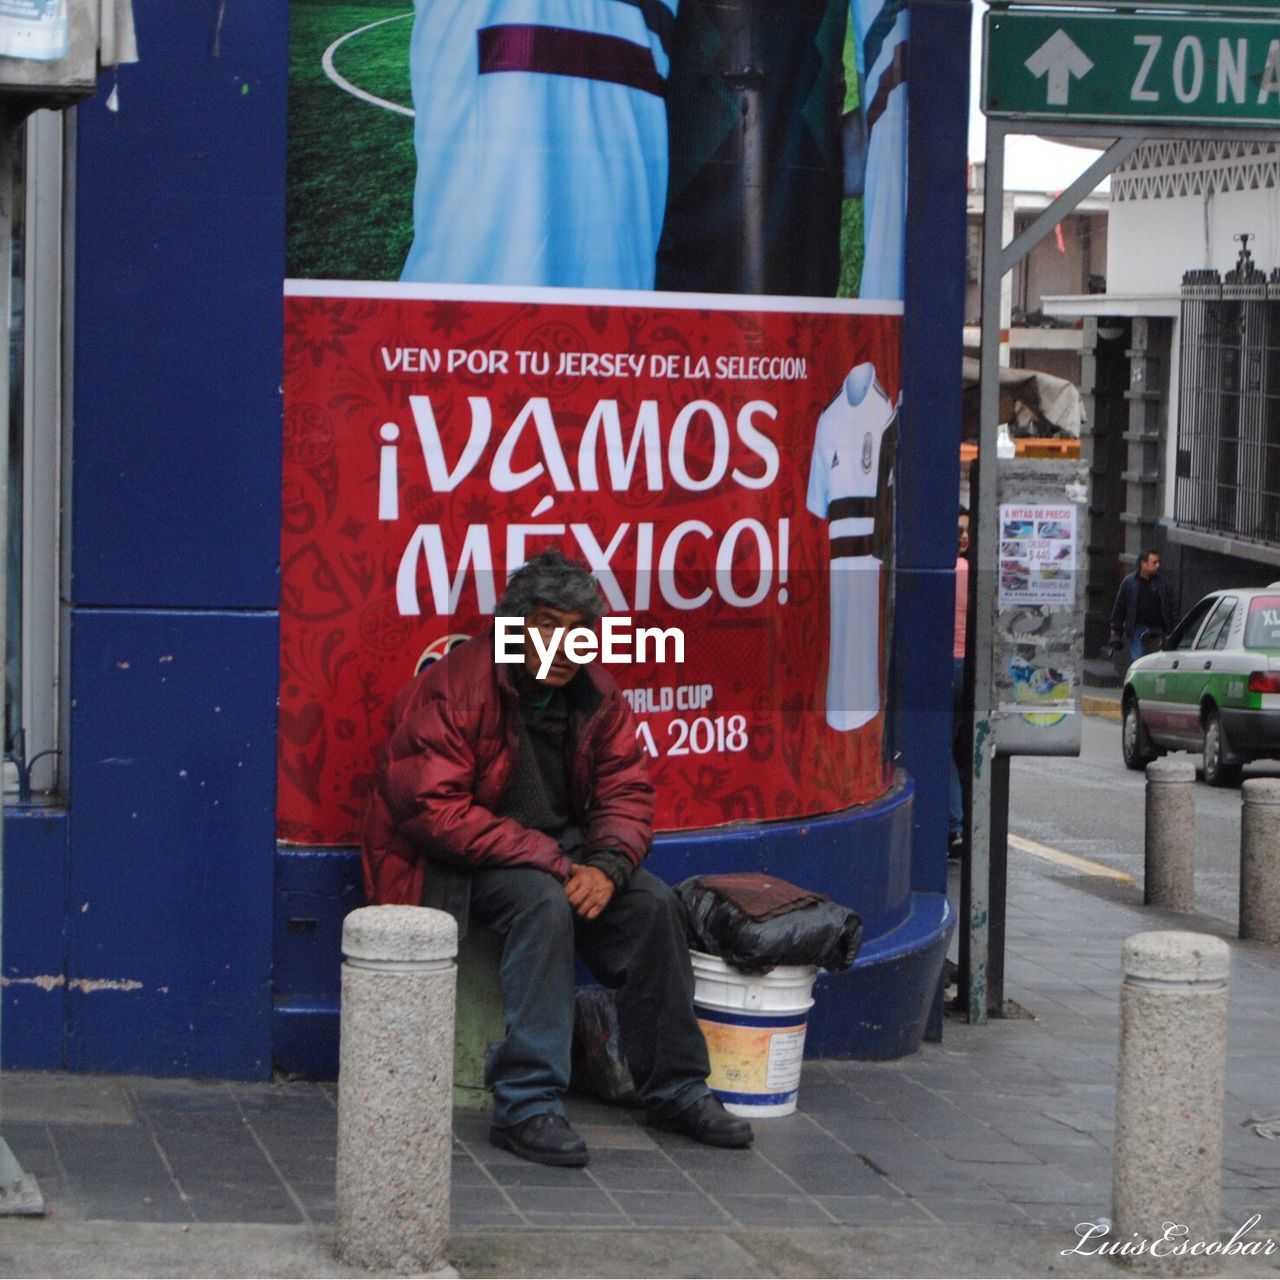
1101,706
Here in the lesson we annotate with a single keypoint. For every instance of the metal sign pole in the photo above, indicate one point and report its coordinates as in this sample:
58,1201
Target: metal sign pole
982,592
1045,108
988,796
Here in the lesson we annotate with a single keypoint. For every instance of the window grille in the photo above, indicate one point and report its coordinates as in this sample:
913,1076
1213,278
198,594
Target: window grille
1228,458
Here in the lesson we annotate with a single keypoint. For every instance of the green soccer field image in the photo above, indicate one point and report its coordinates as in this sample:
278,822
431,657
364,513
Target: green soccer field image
351,160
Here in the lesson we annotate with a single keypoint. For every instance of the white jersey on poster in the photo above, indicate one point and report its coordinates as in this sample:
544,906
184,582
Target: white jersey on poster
844,480
541,136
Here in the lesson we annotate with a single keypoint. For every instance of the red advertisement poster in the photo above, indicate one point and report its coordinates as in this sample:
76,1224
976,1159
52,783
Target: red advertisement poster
724,466
569,274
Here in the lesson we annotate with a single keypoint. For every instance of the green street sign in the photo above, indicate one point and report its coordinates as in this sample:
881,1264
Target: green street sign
1162,68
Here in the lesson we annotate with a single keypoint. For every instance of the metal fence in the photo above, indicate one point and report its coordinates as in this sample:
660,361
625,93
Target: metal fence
1228,459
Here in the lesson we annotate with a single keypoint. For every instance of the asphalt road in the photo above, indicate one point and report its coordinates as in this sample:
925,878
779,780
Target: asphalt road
1092,806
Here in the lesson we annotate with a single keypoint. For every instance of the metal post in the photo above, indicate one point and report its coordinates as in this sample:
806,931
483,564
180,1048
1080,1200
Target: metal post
982,591
999,884
19,1192
748,83
997,261
1007,224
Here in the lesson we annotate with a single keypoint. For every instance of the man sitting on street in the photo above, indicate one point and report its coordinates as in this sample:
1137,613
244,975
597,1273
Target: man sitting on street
524,803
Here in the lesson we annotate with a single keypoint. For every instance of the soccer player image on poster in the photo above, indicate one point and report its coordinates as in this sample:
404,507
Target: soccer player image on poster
619,276
756,146
872,165
541,145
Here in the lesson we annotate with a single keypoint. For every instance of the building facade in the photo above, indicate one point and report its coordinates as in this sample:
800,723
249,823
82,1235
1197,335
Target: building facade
1177,371
1073,260
155,918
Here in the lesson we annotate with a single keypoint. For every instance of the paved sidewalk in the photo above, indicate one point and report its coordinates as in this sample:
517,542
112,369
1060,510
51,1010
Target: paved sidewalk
975,1157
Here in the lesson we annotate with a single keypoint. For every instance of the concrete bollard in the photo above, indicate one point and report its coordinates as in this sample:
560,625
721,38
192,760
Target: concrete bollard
1169,1093
395,1088
1260,861
1169,878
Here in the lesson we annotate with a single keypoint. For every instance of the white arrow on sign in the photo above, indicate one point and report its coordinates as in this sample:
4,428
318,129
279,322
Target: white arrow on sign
1059,58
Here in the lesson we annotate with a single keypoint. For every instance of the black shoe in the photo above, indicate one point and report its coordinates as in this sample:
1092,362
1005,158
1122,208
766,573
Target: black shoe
544,1139
956,845
707,1121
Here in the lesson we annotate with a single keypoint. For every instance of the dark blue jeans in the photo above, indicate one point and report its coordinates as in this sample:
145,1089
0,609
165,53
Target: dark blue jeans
1138,642
636,945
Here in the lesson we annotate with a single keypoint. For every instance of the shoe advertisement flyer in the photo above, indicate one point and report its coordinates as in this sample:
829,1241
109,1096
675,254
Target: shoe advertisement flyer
605,283
1037,554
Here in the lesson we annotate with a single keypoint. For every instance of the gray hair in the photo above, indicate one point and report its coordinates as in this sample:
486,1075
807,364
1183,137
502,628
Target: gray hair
551,578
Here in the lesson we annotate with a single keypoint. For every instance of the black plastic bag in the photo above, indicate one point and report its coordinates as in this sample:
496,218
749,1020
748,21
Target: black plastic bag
598,1067
814,930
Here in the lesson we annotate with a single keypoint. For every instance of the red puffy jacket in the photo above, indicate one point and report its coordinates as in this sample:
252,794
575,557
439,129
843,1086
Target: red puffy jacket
449,758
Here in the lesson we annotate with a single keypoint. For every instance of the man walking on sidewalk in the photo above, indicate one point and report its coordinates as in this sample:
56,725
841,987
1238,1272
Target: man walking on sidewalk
1145,610
523,801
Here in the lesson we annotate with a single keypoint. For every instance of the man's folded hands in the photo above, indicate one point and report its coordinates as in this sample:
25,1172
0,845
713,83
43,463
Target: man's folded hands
589,890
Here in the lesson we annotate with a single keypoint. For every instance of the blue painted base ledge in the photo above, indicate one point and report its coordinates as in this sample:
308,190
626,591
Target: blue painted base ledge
861,857
879,1008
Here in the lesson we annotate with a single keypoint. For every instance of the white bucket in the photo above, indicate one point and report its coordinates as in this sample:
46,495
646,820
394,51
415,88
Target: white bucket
754,1025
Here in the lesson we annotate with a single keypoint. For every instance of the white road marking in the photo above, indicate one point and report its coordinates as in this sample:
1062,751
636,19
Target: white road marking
1063,859
343,83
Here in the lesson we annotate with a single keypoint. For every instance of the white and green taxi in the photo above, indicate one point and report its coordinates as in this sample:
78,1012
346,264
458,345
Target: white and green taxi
1214,687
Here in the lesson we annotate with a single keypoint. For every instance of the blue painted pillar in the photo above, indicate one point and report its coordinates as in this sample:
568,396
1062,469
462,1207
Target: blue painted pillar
179,256
929,451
